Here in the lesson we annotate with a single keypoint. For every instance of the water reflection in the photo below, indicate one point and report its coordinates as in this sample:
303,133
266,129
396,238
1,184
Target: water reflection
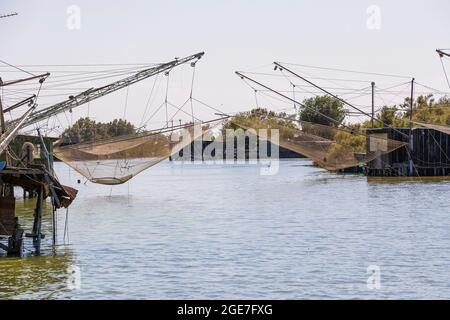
203,232
401,180
30,276
25,213
36,277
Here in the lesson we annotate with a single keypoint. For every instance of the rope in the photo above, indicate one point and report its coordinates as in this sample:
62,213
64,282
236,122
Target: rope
148,101
15,67
440,148
126,103
192,89
343,101
66,227
349,71
209,106
293,96
165,101
445,72
181,109
323,115
256,98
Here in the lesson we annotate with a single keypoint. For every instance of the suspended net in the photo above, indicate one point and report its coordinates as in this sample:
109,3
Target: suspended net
329,147
437,127
117,160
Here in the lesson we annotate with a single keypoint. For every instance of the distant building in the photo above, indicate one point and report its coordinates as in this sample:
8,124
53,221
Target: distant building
430,153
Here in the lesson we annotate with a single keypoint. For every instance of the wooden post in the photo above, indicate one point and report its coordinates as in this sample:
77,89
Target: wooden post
15,242
2,117
37,236
54,225
55,202
373,104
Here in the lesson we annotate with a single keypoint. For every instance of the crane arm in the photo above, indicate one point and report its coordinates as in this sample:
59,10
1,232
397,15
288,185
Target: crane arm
41,77
95,93
7,137
29,100
441,53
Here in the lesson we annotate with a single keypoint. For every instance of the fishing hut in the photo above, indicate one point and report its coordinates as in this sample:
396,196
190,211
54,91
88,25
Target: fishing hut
426,153
37,179
20,169
202,150
33,173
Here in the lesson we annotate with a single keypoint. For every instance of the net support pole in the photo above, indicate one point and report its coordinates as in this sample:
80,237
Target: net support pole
54,197
411,141
281,67
373,104
2,117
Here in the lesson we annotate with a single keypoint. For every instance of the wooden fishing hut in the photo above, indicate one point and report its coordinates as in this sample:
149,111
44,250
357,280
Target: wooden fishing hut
427,153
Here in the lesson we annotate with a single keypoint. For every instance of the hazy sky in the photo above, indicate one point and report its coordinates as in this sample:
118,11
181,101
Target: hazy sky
236,35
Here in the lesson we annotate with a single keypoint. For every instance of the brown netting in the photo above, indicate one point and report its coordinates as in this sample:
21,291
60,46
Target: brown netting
329,147
437,127
115,161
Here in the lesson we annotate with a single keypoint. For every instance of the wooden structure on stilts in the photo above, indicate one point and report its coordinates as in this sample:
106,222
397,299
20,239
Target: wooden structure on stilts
36,179
39,180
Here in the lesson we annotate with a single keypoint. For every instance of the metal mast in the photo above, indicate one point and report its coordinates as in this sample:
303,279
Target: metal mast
441,53
373,104
8,15
411,140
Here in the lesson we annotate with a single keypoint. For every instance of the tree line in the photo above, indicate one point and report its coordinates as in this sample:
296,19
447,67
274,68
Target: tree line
322,110
88,130
329,111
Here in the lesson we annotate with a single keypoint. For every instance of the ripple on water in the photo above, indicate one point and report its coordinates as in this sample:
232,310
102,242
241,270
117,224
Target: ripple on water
207,231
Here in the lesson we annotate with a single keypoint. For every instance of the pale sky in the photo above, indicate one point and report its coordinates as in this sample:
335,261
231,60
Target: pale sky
236,35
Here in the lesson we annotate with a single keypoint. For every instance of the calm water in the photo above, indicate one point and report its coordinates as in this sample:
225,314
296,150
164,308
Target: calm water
210,231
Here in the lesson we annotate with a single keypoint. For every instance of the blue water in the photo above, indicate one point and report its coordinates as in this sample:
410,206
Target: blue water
225,231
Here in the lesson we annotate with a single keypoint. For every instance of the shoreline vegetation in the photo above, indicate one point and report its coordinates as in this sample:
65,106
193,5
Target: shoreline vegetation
425,109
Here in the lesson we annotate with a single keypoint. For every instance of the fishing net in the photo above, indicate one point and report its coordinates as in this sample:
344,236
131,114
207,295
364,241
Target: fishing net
437,127
329,147
117,160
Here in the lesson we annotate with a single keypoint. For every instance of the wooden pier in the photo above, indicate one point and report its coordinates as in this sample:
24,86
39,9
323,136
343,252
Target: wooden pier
37,179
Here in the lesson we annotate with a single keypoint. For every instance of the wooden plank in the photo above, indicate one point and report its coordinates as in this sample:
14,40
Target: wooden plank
7,215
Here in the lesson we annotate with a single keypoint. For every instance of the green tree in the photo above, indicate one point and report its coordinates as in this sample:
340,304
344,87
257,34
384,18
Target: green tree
387,116
119,127
257,114
87,130
425,109
323,105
